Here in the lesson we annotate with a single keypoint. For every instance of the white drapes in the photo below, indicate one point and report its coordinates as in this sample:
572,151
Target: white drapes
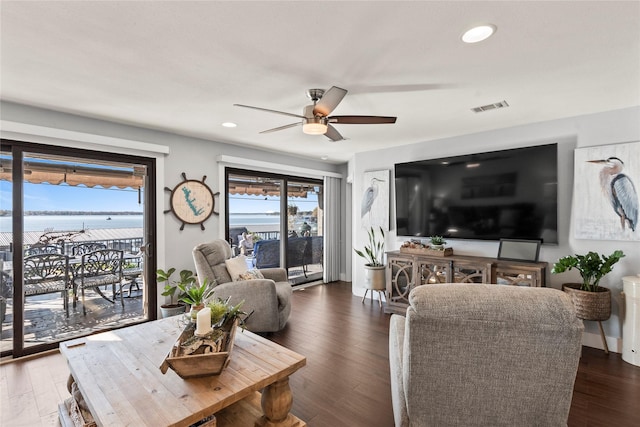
332,226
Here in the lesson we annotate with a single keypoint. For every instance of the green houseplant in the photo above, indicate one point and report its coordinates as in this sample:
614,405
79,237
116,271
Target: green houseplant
374,269
176,306
592,267
374,251
223,314
591,301
195,295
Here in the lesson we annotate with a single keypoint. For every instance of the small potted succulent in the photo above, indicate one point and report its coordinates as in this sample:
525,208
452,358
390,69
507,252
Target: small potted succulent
195,295
437,242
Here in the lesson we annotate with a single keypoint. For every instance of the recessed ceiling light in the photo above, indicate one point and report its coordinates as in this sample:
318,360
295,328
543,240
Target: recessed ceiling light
479,33
324,157
229,125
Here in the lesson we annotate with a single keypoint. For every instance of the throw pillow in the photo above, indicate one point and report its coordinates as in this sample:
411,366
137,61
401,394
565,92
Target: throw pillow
252,274
236,266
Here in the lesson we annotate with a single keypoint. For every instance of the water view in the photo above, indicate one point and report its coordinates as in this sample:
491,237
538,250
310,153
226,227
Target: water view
73,222
95,222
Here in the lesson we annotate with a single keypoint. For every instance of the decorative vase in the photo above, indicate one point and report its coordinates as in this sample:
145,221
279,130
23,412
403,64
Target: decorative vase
172,310
589,305
374,277
195,308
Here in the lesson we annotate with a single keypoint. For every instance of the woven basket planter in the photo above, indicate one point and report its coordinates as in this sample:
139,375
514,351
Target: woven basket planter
589,305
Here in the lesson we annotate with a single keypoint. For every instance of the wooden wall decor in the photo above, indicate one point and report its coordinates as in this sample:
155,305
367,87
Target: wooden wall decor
192,201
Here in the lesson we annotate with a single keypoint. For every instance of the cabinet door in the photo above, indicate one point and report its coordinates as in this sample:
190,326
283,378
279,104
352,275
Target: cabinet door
471,272
400,281
518,276
430,271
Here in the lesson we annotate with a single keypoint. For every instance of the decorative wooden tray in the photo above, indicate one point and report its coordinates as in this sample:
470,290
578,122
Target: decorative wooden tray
427,251
198,365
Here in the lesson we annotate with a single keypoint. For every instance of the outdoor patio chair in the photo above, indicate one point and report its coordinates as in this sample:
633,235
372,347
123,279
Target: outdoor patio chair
47,273
83,248
132,271
99,268
46,249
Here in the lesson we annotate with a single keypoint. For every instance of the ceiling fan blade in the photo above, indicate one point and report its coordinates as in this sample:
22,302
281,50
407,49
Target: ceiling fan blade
282,127
329,101
333,134
270,111
361,120
419,87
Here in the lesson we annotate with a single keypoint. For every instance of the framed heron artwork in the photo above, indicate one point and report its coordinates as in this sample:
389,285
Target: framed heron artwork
605,192
374,208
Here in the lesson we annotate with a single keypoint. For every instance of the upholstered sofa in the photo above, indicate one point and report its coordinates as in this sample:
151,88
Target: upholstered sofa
269,298
484,355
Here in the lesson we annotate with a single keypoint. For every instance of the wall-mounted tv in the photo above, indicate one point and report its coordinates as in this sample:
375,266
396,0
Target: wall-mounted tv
486,196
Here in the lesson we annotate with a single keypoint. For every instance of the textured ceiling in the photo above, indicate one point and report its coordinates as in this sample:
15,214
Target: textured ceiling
180,66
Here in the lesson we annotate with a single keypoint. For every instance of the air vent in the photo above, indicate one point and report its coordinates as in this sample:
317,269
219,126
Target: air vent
488,107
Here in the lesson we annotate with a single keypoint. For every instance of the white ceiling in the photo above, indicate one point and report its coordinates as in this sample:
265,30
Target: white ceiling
180,66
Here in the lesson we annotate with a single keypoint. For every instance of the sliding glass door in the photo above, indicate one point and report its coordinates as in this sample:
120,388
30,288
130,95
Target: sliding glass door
267,206
67,208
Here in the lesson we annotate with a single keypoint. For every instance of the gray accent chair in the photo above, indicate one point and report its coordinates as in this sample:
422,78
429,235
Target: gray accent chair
268,298
484,355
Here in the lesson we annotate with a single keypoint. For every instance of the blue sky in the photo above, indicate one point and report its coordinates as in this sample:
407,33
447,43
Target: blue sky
46,197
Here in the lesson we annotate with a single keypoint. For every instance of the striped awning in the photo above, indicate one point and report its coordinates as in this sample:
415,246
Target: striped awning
260,186
56,174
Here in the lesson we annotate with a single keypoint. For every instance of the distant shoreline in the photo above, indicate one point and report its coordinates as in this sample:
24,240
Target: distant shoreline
84,213
70,213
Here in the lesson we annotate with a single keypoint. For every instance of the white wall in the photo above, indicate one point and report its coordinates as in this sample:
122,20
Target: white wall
598,129
195,157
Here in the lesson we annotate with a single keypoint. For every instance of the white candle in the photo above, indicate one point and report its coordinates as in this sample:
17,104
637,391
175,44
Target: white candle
203,325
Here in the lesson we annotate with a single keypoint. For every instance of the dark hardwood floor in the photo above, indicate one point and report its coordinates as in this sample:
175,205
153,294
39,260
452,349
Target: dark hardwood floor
346,380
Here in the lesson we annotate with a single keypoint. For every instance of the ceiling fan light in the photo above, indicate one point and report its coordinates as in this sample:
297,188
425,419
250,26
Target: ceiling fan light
315,126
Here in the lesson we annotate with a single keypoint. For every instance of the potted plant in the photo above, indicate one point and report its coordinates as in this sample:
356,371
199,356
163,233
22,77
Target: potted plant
437,242
195,295
592,302
176,306
223,314
374,268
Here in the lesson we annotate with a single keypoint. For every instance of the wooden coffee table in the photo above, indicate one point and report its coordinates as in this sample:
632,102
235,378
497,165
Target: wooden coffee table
118,373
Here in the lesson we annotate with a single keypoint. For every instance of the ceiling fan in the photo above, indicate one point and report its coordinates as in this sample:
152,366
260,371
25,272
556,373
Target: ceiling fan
316,119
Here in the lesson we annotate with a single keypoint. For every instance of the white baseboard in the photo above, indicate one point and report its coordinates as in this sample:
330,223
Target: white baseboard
594,340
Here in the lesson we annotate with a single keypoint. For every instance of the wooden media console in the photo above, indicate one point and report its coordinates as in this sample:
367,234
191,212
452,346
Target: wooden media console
405,271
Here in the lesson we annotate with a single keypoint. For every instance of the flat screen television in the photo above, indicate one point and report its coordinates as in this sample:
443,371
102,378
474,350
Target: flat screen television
486,196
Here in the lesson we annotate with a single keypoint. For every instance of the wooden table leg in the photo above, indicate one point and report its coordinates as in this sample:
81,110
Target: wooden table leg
276,403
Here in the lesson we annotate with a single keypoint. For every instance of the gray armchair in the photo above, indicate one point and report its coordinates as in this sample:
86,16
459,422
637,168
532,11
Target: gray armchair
484,355
268,298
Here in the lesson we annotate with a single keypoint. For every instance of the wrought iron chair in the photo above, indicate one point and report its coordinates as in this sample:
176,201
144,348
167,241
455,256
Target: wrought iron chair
46,249
84,248
99,268
47,273
132,271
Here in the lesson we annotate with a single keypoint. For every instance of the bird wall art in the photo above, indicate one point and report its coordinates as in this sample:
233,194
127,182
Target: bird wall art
605,197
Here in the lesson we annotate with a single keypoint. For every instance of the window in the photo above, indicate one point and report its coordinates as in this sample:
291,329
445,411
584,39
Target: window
267,206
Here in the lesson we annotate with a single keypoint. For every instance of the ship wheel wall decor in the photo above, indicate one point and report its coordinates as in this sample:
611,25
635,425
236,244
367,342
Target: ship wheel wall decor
192,201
